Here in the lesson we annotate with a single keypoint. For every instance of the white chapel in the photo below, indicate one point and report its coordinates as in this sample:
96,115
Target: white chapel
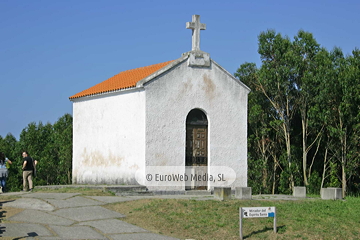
182,113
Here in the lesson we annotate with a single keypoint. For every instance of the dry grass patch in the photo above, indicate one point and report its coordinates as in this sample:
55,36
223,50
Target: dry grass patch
4,198
6,212
82,191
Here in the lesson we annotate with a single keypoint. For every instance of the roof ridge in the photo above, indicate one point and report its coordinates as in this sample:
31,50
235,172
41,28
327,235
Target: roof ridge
145,67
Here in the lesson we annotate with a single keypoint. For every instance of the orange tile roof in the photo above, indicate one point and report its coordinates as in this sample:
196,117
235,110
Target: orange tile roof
123,80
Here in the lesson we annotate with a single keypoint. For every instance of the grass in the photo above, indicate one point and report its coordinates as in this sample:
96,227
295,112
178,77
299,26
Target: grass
191,219
7,198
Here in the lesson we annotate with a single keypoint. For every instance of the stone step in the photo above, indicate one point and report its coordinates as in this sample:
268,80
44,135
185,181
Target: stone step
135,193
125,188
128,190
198,192
111,188
154,193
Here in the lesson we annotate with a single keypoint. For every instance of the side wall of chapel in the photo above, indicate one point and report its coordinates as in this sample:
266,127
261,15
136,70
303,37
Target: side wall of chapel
109,138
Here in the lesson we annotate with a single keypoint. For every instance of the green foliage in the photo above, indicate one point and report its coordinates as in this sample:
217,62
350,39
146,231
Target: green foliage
314,183
334,173
254,174
50,145
304,116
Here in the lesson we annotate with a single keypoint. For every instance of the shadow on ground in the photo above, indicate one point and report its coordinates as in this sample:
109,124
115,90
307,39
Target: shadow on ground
2,216
279,229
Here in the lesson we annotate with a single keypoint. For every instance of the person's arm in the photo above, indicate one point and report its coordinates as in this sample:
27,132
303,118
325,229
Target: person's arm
24,164
8,161
36,162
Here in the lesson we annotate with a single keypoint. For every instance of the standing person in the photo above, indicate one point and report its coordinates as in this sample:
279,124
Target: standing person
28,167
3,171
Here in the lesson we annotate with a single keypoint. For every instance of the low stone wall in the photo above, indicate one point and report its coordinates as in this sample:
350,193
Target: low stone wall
331,193
243,193
299,192
222,193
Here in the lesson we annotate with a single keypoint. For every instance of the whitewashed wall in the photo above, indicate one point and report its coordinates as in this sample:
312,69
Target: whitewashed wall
169,99
108,138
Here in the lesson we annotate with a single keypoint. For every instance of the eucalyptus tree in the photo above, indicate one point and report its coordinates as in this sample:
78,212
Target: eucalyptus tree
272,103
304,61
340,110
260,140
346,114
319,114
352,102
277,82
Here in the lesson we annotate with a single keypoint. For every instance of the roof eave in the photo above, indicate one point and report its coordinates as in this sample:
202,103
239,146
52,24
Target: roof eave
230,75
74,99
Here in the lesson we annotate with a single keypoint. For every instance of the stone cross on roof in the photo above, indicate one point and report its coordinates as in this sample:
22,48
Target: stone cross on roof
196,26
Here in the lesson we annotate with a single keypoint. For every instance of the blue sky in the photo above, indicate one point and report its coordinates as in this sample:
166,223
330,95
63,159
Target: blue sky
51,50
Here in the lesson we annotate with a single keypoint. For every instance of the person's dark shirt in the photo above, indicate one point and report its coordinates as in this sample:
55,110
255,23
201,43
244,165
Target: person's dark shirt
29,164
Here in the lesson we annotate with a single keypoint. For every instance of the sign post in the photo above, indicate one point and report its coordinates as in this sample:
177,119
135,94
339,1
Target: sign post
256,212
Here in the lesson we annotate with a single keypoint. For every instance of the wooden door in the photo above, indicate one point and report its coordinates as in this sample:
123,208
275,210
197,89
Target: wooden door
196,146
197,154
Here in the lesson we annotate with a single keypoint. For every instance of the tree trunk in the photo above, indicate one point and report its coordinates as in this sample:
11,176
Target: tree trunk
316,152
274,177
288,152
343,154
263,148
324,169
304,150
343,165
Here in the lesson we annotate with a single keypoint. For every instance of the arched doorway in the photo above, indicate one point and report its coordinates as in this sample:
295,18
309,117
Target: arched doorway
196,147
